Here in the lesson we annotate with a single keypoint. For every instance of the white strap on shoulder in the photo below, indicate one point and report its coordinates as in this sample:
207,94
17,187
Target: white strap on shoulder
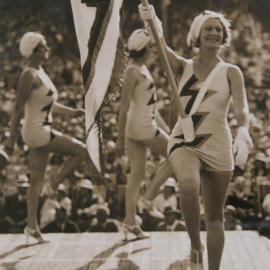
187,73
134,66
220,66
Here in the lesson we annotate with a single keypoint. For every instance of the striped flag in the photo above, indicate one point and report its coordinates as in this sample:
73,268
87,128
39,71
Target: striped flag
102,52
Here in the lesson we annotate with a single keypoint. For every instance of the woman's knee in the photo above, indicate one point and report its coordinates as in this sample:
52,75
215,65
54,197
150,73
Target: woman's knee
215,220
189,185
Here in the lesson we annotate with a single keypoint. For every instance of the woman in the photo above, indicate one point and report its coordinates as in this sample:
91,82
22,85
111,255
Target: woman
36,100
208,159
140,126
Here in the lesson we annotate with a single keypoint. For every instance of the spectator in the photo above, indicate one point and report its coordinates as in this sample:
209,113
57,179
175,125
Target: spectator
172,221
102,223
17,205
167,197
63,199
48,211
231,222
61,223
85,203
48,208
264,226
239,198
4,159
260,168
6,222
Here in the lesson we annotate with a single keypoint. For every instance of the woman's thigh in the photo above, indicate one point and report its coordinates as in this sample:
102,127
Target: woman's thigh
65,145
185,165
158,144
137,156
37,162
214,191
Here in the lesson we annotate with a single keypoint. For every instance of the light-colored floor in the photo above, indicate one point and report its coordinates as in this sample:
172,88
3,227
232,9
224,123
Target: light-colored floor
163,251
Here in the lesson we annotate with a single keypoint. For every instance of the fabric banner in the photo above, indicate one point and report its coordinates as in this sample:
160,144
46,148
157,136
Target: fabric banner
102,54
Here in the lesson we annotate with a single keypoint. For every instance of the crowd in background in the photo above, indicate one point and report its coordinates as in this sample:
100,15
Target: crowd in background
80,204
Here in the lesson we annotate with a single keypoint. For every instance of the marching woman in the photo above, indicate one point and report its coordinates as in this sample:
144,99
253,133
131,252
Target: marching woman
208,159
35,101
140,126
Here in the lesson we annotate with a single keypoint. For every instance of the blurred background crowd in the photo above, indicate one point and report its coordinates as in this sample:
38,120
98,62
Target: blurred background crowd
80,204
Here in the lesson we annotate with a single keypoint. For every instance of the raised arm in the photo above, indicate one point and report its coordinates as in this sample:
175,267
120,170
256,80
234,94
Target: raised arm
25,87
147,14
130,79
161,122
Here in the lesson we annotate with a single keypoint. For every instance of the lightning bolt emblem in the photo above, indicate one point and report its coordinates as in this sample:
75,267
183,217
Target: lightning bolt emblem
191,89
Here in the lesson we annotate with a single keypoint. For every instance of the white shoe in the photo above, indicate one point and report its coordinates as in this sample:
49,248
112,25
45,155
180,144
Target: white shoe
196,256
35,234
134,229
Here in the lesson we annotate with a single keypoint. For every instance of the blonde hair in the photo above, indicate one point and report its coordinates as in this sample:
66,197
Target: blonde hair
195,28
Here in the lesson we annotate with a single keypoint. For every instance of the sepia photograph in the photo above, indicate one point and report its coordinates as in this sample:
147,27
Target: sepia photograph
134,135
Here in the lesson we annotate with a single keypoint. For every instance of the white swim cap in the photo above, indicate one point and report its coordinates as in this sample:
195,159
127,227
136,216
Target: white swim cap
138,40
29,42
195,28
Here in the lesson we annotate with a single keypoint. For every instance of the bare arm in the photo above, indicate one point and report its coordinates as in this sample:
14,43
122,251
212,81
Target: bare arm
240,104
25,88
177,62
66,110
161,123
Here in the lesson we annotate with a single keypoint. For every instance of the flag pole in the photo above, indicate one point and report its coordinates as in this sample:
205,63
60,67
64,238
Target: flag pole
160,44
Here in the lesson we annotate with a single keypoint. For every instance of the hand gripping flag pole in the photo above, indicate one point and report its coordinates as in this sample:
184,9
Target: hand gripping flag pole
186,121
160,44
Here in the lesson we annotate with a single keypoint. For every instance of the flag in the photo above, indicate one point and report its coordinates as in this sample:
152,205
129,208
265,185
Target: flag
102,55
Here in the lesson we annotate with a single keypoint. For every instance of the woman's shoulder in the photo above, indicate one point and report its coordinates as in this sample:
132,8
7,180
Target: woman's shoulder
230,66
29,73
29,76
233,70
133,68
133,71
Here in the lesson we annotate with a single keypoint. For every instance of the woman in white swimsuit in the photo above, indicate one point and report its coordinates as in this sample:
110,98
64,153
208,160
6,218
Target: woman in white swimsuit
140,126
35,101
208,159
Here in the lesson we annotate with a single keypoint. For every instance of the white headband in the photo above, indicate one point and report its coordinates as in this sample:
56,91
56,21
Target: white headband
195,28
138,40
29,42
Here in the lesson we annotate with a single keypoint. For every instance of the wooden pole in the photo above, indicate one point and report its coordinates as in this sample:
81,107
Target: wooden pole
160,43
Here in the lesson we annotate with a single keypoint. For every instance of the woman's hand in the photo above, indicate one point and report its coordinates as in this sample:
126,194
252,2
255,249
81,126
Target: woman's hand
242,145
146,12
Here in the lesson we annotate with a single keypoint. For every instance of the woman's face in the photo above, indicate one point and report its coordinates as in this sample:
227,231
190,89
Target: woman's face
42,50
211,35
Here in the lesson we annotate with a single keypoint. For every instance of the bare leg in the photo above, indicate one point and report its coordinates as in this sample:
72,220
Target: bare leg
68,146
164,171
186,167
158,145
37,165
137,157
214,189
